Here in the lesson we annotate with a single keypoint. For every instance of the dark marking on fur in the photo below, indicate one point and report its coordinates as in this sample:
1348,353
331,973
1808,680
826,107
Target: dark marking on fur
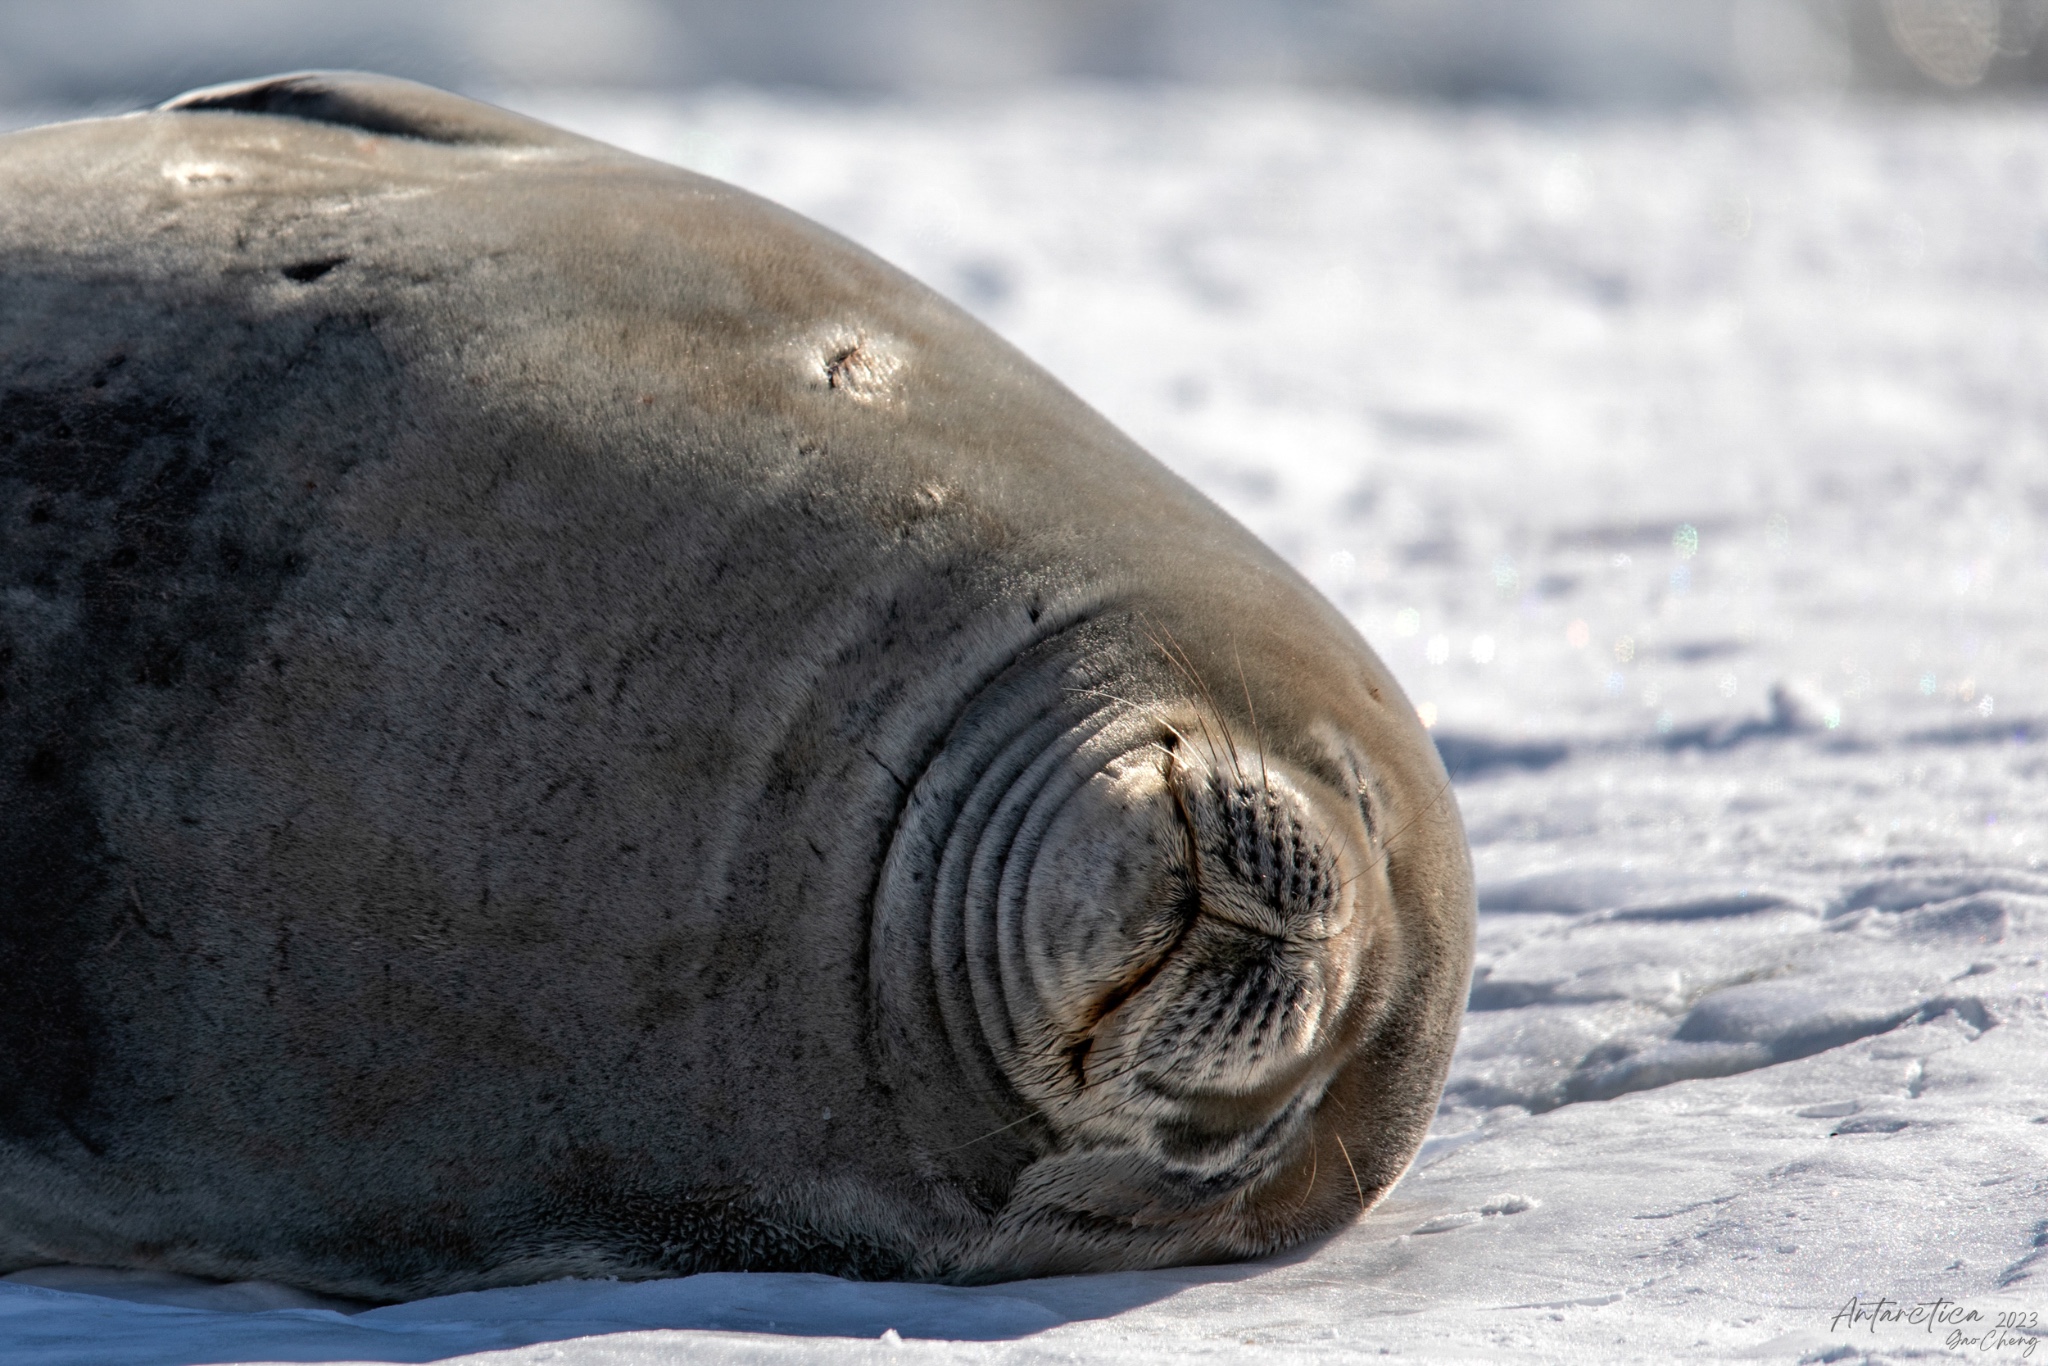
142,561
305,272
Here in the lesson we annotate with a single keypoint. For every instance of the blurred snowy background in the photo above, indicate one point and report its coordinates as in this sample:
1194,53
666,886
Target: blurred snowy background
85,52
1660,389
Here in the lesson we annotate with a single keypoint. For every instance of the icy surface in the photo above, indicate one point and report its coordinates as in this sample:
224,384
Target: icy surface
1693,476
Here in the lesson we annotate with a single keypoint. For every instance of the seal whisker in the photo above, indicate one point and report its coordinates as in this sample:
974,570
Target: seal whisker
1442,790
1315,1167
1258,736
1087,1084
1178,658
1154,710
983,1138
1355,1183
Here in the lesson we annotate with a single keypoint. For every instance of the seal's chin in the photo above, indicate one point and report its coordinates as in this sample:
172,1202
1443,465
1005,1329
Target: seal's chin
1198,924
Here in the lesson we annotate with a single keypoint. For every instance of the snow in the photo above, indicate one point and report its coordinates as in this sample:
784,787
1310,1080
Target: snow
1692,473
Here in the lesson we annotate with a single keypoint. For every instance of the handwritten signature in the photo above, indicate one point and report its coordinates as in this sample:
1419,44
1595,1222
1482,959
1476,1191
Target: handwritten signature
1960,1326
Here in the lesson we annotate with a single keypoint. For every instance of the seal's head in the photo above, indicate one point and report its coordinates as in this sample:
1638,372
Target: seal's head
1198,934
1172,948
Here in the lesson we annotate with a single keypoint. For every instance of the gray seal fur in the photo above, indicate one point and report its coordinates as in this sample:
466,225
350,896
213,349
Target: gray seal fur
560,719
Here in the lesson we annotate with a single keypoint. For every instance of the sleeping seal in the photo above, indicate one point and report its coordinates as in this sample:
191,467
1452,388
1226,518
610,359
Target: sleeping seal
561,720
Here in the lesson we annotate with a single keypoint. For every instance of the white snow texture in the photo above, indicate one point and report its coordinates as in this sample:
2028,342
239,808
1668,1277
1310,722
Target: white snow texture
1691,471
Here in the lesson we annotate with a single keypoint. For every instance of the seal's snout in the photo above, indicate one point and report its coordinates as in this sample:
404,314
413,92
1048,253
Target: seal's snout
1260,859
1231,892
1269,960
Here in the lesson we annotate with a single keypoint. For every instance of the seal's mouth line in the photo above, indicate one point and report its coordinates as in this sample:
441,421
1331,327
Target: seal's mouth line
1113,1000
1100,1011
1293,938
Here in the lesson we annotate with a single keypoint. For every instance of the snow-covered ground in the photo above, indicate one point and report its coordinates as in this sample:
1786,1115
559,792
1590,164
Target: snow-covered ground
1692,472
